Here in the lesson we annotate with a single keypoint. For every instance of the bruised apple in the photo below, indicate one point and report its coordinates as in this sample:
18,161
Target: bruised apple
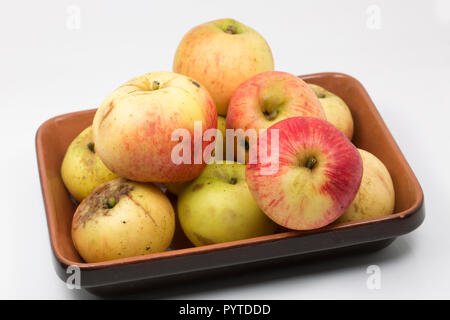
222,54
336,110
218,207
122,219
376,195
134,127
318,175
82,170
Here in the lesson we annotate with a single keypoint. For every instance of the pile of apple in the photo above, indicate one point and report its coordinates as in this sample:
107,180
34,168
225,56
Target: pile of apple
121,168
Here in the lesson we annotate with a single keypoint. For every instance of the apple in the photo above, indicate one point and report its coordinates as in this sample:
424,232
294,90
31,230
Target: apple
270,97
178,187
82,170
221,54
218,207
376,195
336,110
318,175
123,219
134,125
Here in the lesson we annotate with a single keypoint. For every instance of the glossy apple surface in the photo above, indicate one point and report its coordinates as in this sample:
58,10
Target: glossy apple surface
318,176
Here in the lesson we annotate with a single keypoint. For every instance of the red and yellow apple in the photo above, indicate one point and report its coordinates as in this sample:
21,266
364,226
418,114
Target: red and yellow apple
336,110
269,97
318,174
134,125
123,219
376,195
222,54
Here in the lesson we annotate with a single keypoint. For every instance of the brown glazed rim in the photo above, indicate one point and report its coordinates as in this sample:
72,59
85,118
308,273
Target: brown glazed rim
221,246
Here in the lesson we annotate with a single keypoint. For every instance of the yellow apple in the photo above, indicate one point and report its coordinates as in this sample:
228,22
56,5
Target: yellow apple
134,127
376,195
222,54
336,110
122,219
82,170
218,207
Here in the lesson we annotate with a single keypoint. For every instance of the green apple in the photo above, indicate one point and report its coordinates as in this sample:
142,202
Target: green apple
82,170
336,110
218,207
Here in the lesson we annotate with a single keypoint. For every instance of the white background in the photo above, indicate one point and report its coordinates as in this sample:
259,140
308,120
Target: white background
49,66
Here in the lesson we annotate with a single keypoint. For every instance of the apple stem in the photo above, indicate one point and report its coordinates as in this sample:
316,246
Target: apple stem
271,115
91,147
231,29
233,181
310,164
155,85
111,202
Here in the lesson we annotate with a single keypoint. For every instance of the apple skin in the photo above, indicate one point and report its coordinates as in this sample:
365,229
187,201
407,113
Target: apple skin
178,187
302,195
134,125
218,207
336,110
221,60
376,195
139,220
269,97
82,170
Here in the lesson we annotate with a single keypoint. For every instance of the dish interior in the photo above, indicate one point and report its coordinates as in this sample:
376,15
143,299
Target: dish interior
370,133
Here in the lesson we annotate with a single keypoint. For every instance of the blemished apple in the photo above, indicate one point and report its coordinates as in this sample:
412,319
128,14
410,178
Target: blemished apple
318,176
218,207
336,110
376,195
221,54
123,219
133,126
82,170
269,97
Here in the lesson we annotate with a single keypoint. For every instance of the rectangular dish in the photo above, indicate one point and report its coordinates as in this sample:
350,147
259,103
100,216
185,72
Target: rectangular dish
184,261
